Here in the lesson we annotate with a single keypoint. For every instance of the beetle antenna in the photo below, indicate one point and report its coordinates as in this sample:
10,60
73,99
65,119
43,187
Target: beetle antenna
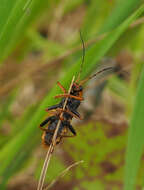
83,55
97,73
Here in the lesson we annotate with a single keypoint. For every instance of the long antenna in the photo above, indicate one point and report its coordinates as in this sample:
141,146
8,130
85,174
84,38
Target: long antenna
83,56
98,72
102,70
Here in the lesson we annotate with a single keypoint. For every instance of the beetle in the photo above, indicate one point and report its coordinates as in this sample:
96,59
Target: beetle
74,98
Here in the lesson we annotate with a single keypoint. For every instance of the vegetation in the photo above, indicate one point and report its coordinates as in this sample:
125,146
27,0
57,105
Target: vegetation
39,45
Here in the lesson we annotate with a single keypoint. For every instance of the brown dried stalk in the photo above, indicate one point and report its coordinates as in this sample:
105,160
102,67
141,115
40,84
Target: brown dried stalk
11,84
51,148
40,68
63,173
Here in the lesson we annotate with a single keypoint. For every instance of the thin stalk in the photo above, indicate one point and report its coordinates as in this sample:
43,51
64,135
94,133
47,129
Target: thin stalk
31,71
51,148
63,173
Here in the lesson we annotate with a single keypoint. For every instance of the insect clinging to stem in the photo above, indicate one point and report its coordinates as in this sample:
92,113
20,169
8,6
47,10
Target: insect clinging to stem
74,98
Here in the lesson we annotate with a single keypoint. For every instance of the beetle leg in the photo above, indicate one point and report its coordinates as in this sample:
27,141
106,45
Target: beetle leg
46,130
45,122
53,107
61,86
70,127
76,113
69,96
73,114
51,118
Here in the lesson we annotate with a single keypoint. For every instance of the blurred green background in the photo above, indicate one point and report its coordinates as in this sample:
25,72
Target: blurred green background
40,45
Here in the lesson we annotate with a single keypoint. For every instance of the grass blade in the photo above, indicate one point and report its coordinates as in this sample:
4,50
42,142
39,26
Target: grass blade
17,17
122,10
93,55
135,138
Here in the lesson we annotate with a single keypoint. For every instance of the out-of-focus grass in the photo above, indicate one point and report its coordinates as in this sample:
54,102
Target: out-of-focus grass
94,19
122,90
136,139
122,10
91,139
15,18
4,113
93,55
9,36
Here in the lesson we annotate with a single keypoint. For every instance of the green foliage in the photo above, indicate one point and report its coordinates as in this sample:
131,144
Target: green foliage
135,140
93,56
122,10
17,19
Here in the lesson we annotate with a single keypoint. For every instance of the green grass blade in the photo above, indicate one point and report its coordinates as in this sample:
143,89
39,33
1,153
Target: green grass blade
16,20
4,112
6,7
135,138
8,29
20,159
93,55
122,10
96,15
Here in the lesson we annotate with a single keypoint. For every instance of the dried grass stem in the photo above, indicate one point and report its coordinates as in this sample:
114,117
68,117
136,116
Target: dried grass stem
51,148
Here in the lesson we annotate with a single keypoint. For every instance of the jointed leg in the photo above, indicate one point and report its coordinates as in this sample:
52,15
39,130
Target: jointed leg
69,96
53,107
61,86
76,113
66,123
46,130
72,129
47,120
73,114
